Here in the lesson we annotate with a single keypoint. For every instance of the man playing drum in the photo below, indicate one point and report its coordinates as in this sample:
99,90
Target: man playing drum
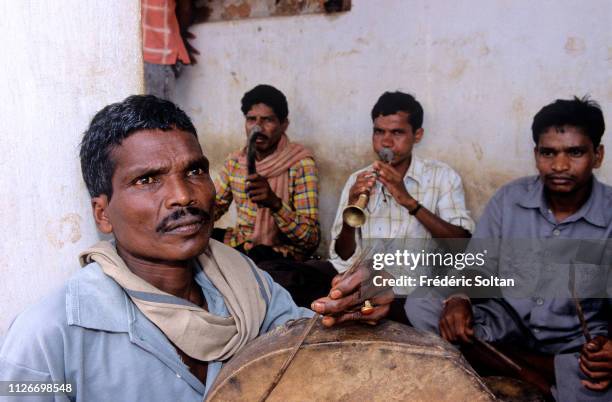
555,336
155,312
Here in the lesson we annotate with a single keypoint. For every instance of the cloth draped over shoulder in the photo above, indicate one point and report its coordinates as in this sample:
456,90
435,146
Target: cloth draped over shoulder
195,331
275,168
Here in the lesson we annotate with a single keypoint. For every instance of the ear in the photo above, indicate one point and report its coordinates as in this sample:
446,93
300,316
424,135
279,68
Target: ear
535,153
418,135
599,155
285,124
99,206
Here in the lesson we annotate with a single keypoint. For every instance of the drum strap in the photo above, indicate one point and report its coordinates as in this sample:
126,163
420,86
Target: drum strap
289,359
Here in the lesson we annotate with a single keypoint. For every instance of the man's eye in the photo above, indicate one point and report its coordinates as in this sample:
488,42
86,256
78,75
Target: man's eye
196,172
546,154
142,181
576,153
398,133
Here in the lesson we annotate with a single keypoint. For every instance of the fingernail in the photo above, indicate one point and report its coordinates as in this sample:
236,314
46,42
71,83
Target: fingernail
318,307
335,294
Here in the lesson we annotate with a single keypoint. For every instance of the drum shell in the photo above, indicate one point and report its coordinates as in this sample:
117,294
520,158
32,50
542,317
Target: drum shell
390,361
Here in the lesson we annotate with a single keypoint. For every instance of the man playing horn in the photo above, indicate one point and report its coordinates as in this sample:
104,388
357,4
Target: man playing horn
277,206
409,197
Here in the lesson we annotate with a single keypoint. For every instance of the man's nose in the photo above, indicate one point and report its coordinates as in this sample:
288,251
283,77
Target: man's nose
387,140
560,162
178,193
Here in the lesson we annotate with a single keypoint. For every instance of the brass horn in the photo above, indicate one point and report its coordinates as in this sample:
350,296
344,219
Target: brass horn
355,215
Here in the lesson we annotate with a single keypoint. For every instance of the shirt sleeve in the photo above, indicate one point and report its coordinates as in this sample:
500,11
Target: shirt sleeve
223,198
451,204
300,221
281,307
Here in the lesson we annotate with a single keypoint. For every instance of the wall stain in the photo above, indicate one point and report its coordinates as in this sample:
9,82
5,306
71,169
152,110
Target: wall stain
458,69
518,107
477,150
65,230
574,46
234,11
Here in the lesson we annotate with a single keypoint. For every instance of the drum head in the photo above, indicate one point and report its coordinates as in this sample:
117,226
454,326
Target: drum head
355,362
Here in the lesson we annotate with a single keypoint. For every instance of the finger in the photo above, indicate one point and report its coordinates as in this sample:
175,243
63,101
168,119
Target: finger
254,177
596,365
444,332
328,321
595,344
596,386
326,305
350,283
594,375
378,313
599,356
451,336
463,335
335,281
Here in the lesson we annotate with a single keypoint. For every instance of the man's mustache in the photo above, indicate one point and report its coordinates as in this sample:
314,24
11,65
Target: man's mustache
181,213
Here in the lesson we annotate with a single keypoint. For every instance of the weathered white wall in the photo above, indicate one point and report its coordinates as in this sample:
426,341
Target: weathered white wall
480,68
61,62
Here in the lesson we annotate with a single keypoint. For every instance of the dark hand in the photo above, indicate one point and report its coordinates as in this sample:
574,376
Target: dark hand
394,183
348,294
363,185
596,363
259,191
192,51
456,321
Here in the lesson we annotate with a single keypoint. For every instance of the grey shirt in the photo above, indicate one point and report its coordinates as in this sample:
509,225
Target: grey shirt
518,214
90,333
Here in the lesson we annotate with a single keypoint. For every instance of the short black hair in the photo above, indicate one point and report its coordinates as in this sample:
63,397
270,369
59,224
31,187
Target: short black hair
268,95
393,102
114,123
584,114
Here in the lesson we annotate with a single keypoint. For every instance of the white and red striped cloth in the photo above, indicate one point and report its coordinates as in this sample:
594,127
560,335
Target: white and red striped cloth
161,38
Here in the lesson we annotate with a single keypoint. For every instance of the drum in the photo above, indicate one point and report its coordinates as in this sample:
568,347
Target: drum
356,362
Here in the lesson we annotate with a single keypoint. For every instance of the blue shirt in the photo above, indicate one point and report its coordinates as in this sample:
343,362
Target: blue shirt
518,214
90,333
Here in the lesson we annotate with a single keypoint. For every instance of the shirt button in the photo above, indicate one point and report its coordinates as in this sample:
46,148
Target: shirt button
536,330
556,232
178,375
539,301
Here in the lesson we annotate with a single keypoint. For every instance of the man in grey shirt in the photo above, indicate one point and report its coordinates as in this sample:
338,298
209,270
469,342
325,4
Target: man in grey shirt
564,202
153,314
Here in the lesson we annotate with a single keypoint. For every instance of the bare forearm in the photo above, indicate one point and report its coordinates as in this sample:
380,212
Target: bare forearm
438,227
345,243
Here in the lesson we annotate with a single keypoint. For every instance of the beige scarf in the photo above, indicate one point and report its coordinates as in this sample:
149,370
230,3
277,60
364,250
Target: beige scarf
195,331
275,168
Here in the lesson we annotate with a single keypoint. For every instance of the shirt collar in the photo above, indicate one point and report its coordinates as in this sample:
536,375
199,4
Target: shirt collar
415,170
592,210
96,301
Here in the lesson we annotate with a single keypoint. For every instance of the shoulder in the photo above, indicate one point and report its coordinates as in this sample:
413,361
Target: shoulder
306,163
37,333
233,159
516,189
438,169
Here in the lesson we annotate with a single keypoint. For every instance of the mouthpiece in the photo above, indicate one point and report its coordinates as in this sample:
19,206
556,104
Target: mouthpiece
386,155
253,134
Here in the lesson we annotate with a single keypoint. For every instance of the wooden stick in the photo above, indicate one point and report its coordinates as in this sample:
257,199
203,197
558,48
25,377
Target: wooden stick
499,354
289,359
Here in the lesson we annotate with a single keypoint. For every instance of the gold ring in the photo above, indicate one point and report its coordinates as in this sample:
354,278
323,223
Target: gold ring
367,307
